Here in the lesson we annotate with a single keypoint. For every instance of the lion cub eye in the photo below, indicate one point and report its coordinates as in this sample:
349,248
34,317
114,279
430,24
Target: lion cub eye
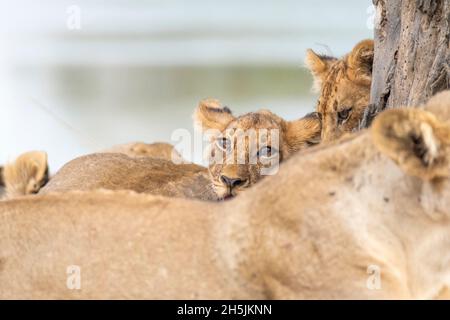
224,144
344,114
267,152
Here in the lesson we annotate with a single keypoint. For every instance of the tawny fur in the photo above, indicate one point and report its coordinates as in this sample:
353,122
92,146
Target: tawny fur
115,171
344,86
293,136
144,172
157,150
311,232
26,175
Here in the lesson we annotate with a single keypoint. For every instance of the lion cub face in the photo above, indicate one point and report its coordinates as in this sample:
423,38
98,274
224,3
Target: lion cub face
244,149
344,86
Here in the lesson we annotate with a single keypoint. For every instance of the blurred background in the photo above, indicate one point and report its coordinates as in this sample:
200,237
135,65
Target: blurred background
83,75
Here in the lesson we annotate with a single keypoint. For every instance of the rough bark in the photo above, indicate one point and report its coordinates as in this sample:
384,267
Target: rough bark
412,53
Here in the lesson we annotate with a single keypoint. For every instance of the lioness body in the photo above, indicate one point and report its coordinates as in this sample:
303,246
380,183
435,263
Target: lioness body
157,150
379,201
111,169
121,247
114,171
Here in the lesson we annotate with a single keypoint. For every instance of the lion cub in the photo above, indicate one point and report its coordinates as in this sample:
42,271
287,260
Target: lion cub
164,177
245,148
344,86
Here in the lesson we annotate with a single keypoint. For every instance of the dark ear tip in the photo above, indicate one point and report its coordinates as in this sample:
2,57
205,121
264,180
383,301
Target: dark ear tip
213,105
226,109
46,178
313,115
2,183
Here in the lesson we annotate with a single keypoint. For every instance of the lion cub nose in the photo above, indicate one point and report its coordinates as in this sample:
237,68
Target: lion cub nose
232,182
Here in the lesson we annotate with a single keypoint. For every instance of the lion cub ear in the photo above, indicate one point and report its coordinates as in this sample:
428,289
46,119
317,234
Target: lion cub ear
319,65
415,140
304,132
360,62
210,115
27,174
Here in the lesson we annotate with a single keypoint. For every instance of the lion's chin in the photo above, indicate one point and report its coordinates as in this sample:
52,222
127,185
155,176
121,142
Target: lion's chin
228,197
224,195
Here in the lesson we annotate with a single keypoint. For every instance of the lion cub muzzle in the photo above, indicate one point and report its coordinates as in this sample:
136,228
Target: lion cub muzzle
231,184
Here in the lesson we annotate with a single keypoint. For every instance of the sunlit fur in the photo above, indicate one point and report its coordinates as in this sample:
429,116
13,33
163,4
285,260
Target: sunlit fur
379,198
293,136
26,175
157,150
344,84
155,168
118,171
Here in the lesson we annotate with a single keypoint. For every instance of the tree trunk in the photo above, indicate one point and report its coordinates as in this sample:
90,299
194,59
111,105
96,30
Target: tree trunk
412,54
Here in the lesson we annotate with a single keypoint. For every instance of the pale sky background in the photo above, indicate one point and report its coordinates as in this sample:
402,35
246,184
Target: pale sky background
136,69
